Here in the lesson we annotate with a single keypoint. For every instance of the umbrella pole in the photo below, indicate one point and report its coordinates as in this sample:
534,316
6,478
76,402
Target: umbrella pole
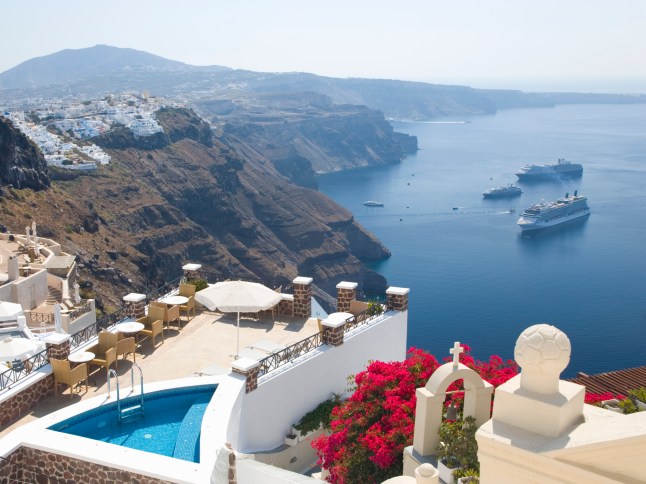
238,337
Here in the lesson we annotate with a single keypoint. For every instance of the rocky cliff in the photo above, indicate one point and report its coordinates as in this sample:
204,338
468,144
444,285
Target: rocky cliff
22,165
302,134
137,220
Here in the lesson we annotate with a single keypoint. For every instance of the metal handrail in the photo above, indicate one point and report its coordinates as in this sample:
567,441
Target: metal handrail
282,357
16,373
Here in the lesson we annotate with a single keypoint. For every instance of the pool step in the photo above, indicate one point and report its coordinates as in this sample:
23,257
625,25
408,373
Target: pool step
131,413
188,436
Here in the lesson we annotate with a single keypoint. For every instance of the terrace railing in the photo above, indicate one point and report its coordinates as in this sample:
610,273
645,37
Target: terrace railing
39,318
289,354
280,358
79,311
21,369
86,334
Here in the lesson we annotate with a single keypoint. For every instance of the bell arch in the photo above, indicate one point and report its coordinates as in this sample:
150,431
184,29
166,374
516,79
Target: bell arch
430,403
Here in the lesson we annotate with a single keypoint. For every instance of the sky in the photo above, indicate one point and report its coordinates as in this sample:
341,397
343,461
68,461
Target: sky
576,45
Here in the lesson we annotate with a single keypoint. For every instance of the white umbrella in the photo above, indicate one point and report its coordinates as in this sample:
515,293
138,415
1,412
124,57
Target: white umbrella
9,311
16,348
58,324
238,297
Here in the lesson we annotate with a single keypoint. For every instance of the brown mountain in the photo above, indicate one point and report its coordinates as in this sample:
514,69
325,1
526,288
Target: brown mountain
192,198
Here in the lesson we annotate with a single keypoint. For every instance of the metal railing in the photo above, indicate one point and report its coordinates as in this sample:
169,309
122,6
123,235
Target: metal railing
280,358
77,312
91,331
21,369
37,318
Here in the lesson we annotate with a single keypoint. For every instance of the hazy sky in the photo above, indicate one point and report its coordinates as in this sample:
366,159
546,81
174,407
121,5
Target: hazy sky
569,44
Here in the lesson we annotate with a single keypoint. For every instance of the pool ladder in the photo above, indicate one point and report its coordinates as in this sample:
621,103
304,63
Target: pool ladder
131,412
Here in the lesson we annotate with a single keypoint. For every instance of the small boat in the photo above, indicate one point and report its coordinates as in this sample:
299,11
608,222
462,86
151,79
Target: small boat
500,192
371,203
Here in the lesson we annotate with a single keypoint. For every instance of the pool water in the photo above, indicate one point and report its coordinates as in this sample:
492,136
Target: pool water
170,426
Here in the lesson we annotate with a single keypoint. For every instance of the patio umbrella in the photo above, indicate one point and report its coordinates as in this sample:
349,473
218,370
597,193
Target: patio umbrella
16,348
9,311
58,324
238,297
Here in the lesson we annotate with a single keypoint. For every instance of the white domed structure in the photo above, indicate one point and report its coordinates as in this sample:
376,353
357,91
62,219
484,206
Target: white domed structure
543,352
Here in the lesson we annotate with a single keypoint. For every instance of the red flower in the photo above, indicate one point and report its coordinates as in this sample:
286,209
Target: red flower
372,427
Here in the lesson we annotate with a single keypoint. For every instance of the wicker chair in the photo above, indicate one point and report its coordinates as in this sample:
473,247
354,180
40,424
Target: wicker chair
125,346
187,290
64,373
153,323
170,313
105,351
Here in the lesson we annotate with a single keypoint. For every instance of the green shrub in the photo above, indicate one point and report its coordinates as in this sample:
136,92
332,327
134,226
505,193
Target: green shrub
321,415
198,283
374,308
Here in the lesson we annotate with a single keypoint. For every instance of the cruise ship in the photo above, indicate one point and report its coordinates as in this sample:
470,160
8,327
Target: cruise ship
501,192
539,172
372,203
542,215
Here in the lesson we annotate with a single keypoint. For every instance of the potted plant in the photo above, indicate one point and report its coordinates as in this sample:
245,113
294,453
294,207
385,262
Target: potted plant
458,448
291,439
467,476
638,397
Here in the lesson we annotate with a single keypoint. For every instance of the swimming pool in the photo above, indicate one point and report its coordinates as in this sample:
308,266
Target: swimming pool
170,426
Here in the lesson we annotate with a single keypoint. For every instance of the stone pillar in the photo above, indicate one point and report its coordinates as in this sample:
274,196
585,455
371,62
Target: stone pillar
135,305
333,333
192,271
58,345
302,288
397,298
249,369
346,292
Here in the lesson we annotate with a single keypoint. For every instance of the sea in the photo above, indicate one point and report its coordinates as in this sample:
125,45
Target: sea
473,276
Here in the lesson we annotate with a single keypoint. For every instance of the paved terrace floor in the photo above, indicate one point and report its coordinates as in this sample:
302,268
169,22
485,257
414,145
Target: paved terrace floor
208,340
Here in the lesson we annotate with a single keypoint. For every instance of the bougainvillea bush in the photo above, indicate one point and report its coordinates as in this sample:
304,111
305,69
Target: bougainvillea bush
371,428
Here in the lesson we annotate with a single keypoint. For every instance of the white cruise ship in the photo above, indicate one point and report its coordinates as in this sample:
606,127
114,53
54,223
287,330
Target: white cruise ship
501,192
539,172
542,215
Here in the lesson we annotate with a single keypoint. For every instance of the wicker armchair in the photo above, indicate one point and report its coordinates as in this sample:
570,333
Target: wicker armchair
153,323
170,313
187,290
126,346
64,373
105,351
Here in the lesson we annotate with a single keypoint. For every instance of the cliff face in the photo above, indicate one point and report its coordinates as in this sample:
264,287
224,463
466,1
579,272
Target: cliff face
22,165
304,134
177,123
138,220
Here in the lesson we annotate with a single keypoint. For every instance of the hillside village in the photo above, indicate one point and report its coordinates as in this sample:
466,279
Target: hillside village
63,129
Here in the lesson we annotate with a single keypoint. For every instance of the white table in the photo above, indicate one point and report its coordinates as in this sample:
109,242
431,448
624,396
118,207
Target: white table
335,319
81,357
130,327
174,300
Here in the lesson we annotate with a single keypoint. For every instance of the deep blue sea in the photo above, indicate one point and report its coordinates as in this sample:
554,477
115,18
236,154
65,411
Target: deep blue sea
473,277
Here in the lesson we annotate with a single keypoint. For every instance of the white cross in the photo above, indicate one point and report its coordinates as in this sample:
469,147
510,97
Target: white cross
455,351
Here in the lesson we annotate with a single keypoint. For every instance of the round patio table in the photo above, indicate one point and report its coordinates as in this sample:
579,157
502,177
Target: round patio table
175,300
81,357
131,327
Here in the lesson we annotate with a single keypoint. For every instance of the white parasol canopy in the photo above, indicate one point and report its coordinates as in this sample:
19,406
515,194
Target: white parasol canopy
16,348
58,323
9,311
238,297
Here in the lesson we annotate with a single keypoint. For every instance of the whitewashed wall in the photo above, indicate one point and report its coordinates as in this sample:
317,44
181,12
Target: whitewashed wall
268,412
